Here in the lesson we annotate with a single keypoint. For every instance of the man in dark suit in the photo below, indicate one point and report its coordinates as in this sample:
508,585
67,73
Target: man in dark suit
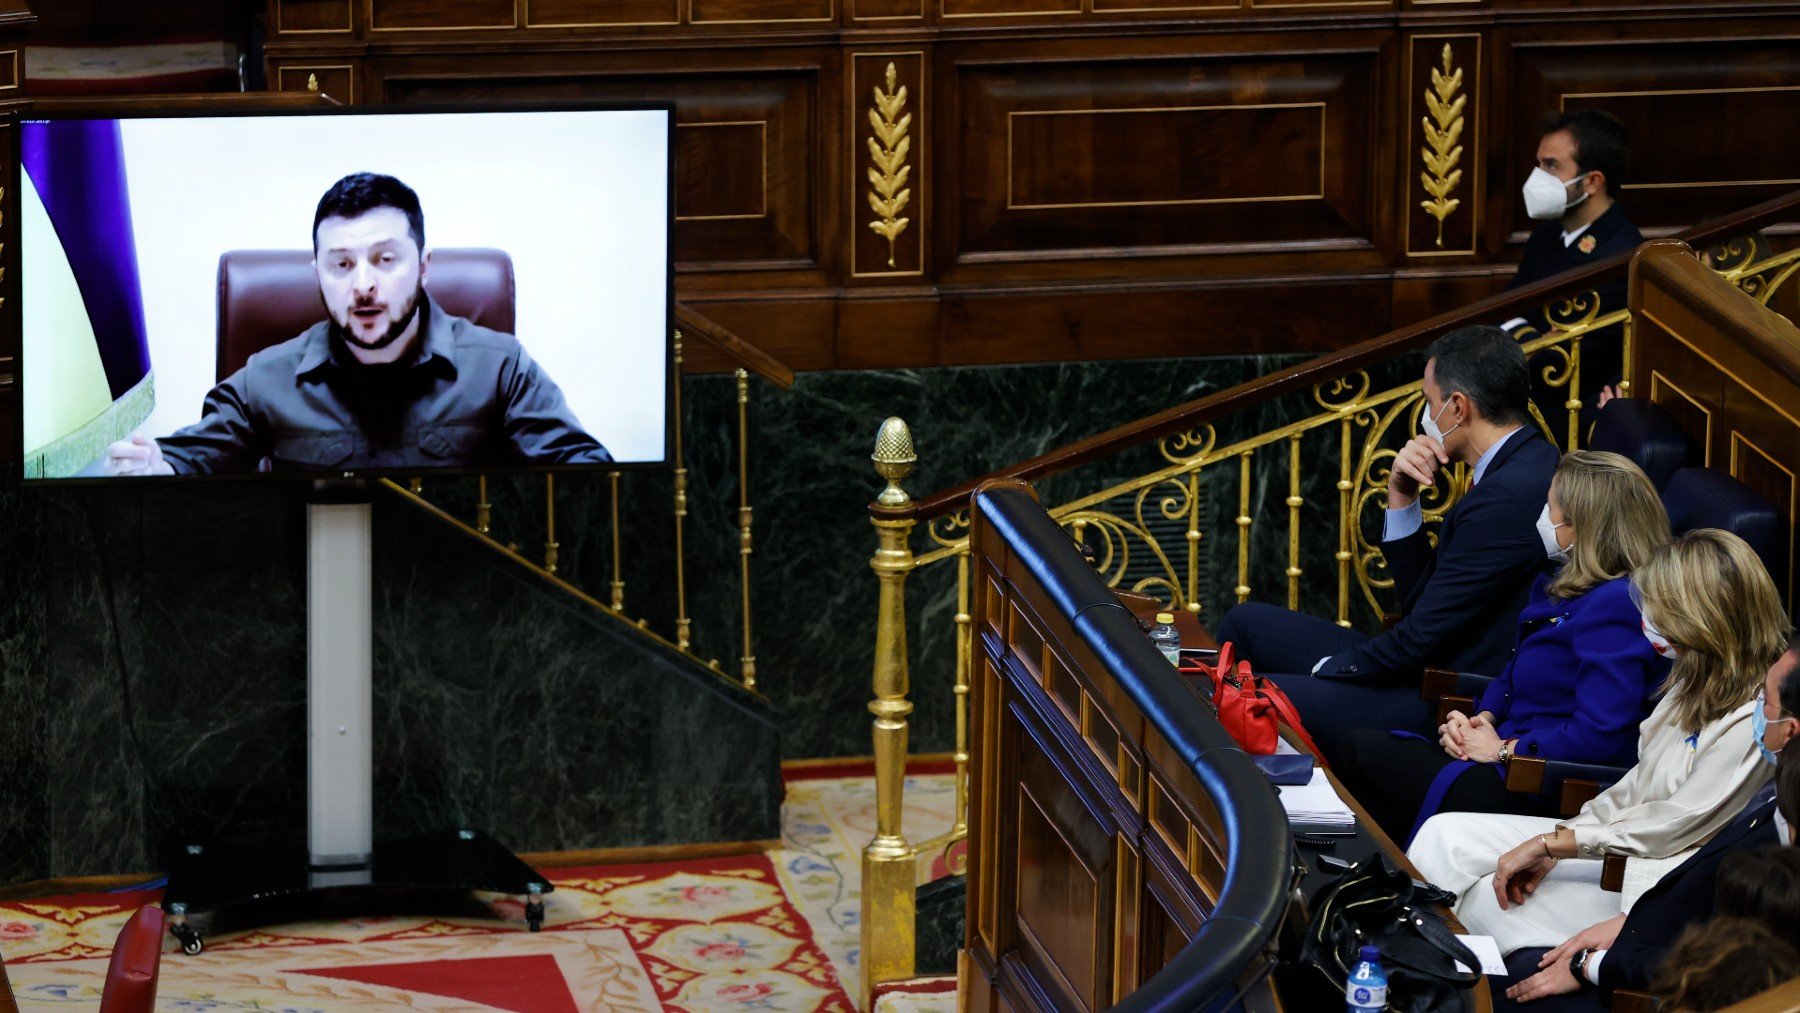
1462,599
1572,192
1624,951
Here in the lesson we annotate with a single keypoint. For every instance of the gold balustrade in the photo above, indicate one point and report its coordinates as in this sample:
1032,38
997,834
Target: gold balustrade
1367,424
612,600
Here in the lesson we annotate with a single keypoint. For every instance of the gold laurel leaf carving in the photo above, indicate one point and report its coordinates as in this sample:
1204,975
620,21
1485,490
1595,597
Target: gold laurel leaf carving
1443,131
889,145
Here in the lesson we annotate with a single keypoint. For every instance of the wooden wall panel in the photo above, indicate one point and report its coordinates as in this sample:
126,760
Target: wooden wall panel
1701,113
599,13
309,17
441,15
1100,178
1124,156
746,181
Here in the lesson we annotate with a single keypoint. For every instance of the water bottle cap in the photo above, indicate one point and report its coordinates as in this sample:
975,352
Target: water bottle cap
1166,618
1371,953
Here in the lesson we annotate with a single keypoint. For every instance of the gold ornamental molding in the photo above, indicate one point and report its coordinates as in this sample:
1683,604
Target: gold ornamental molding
1443,135
889,147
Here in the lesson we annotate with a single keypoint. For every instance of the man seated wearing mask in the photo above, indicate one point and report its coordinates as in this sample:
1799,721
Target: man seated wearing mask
1624,951
1461,599
1582,158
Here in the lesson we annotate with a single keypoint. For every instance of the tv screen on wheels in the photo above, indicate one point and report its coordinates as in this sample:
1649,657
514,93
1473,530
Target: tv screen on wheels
344,292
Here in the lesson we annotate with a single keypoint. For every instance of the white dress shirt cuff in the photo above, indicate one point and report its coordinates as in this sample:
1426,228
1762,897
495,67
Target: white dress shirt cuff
1515,322
1592,970
1403,522
1321,664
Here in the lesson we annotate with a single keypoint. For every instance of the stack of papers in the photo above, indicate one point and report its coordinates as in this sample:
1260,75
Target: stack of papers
1315,803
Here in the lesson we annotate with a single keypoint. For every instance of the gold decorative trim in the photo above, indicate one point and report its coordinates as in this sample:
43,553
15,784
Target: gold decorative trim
349,23
1443,142
762,135
1013,205
1793,516
1659,381
1171,9
888,148
312,71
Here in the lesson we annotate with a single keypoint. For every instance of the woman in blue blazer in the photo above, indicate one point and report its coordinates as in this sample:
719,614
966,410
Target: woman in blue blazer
1582,673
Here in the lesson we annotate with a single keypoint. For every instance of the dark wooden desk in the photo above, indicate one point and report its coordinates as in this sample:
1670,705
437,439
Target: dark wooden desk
7,1005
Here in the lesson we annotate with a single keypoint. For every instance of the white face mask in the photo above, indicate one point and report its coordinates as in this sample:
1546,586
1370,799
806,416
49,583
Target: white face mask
1547,197
1429,424
1659,642
1547,533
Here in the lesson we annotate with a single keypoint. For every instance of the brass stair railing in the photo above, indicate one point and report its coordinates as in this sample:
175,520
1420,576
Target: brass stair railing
746,360
1358,398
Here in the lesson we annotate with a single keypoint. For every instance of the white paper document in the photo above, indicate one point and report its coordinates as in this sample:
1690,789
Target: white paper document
1489,952
1315,802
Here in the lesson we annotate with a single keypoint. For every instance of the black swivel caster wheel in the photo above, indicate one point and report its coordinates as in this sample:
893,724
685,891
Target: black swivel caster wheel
534,915
189,937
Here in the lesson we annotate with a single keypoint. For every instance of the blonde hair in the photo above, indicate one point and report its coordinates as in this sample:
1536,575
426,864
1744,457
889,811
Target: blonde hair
1618,519
1710,596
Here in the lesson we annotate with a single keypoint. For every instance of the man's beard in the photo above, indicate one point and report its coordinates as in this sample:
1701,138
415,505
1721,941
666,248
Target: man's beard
394,330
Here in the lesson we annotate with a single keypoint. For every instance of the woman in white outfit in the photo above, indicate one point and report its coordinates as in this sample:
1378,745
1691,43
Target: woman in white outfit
1532,881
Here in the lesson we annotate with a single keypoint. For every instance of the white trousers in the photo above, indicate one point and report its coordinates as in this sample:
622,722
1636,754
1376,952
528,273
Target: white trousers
1459,851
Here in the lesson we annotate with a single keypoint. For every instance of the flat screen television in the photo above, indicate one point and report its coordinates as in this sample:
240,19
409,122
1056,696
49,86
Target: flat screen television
345,292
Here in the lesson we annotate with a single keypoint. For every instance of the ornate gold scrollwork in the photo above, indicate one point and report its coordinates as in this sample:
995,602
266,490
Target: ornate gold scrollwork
888,148
1442,152
1189,445
950,530
1330,394
1115,534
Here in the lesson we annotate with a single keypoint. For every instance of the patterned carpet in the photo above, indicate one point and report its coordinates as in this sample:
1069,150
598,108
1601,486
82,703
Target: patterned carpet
753,932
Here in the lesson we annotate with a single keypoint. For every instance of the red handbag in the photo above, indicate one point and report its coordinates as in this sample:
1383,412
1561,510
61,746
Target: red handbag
1251,708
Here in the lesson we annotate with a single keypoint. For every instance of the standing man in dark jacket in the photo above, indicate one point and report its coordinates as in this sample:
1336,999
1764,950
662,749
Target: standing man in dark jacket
1624,951
1461,598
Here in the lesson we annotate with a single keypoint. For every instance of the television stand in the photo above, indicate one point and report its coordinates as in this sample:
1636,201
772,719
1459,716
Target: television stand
341,863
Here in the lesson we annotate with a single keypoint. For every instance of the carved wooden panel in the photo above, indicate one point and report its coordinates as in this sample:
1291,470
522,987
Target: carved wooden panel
1728,372
313,17
1442,159
599,13
1700,112
745,180
1127,156
441,15
889,121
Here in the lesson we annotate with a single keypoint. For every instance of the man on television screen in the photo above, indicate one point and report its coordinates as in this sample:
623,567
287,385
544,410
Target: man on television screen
388,380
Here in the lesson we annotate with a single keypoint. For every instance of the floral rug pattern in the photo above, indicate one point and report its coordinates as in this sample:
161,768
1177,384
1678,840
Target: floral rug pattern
753,932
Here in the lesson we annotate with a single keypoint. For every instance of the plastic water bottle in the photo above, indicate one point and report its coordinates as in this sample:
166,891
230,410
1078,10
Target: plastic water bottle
1165,638
1366,991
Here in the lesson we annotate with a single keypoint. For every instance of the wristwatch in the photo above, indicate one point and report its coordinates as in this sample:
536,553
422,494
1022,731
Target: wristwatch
1578,967
1505,752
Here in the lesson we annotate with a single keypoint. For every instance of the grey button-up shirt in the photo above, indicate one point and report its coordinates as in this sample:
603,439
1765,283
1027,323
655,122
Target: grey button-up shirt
472,397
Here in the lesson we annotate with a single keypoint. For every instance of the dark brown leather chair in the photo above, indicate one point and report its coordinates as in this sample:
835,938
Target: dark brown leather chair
269,296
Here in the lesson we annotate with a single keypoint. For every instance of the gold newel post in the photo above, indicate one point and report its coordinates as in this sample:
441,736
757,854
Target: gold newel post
888,879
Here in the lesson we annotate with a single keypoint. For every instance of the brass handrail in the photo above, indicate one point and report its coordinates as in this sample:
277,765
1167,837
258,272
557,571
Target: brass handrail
1202,411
